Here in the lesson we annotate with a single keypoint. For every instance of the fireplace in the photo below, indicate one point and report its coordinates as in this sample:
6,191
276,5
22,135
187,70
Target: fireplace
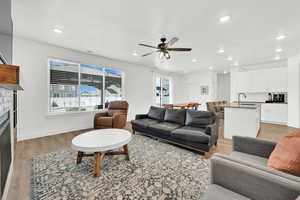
5,149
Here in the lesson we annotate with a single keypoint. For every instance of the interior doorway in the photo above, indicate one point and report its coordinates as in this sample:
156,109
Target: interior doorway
223,87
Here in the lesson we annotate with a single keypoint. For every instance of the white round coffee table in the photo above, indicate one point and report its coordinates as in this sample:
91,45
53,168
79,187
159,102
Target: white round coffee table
100,142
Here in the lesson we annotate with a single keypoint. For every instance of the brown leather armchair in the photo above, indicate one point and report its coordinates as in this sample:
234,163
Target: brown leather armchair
114,117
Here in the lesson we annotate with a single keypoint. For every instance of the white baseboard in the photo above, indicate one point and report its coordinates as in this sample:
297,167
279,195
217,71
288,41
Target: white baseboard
271,122
8,181
39,135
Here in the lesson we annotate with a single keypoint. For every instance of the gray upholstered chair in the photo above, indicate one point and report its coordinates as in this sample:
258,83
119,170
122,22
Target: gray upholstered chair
244,175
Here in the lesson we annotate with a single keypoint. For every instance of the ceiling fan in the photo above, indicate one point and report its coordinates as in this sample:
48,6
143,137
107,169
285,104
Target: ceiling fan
164,47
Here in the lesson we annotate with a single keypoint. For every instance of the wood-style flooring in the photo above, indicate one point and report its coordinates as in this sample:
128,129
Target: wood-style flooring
26,150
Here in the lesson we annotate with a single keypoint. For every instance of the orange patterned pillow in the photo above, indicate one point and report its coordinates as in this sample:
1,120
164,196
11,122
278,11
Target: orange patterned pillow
286,155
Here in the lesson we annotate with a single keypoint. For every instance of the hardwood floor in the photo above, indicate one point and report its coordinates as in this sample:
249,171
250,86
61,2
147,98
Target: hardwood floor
26,150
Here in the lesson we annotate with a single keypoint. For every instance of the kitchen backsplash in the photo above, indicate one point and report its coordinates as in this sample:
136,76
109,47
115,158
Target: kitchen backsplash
5,100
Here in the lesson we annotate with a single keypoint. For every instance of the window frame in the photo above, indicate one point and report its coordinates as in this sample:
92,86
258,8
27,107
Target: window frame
53,113
161,76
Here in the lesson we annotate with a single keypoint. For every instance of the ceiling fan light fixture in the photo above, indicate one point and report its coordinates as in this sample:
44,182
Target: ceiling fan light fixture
163,48
161,55
167,55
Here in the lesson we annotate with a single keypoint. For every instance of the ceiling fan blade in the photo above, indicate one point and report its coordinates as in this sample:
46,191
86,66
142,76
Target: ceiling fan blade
172,41
146,45
179,49
147,54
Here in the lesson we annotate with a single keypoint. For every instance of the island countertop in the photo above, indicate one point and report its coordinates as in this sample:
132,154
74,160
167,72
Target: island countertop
242,105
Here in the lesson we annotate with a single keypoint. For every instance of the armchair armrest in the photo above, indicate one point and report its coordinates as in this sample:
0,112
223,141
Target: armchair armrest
251,182
102,114
97,115
141,116
119,120
212,130
253,146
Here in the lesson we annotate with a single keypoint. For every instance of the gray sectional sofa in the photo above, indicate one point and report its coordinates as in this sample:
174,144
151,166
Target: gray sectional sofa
197,130
244,174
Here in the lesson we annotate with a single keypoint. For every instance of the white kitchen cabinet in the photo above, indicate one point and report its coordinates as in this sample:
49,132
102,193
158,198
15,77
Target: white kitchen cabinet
241,121
244,81
264,80
279,80
276,113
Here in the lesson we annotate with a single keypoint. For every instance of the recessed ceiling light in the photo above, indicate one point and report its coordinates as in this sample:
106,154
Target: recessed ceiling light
224,19
236,63
134,53
56,30
210,67
280,37
229,58
225,72
278,50
221,50
194,60
277,57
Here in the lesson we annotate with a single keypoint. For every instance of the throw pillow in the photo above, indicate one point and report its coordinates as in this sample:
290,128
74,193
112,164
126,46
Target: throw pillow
286,154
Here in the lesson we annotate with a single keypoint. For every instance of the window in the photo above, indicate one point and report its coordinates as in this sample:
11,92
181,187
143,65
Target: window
113,85
162,91
80,87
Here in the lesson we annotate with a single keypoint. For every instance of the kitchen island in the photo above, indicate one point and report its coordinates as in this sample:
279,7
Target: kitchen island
241,120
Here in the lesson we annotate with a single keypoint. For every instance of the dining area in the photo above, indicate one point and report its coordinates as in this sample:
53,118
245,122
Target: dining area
185,105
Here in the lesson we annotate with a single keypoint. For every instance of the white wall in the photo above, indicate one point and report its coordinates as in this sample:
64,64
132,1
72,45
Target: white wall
294,91
190,88
223,87
33,120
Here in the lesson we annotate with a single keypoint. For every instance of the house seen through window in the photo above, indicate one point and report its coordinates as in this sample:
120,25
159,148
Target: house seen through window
82,87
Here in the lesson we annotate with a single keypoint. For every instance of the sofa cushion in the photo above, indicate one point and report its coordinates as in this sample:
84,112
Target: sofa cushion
257,160
199,118
156,113
286,155
216,192
192,134
144,122
164,127
175,116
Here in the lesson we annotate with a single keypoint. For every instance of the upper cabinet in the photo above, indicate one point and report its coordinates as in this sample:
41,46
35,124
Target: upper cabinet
265,80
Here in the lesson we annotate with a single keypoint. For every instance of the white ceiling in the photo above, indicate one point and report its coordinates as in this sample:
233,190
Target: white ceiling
113,28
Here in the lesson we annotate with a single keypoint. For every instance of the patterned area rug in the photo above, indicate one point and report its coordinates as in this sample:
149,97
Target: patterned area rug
156,171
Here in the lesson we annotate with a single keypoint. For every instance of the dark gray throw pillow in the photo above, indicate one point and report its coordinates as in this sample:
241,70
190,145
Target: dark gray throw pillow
156,113
175,116
199,118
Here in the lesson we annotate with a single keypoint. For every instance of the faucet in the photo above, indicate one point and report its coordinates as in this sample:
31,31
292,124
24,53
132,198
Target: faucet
239,97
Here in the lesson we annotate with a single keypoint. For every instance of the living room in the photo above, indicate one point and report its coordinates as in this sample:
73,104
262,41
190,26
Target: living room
149,100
